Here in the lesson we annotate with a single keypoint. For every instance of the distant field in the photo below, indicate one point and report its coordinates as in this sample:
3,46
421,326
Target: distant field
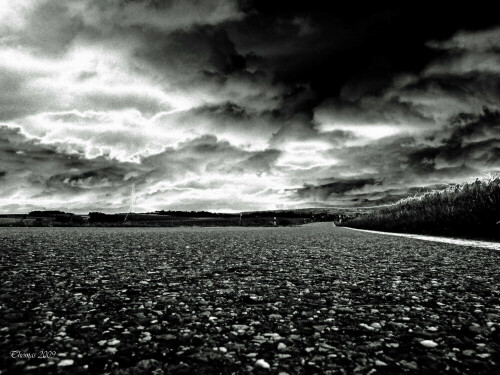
467,210
174,218
8,220
174,221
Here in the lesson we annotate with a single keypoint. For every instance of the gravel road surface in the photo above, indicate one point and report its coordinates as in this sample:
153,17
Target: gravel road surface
297,300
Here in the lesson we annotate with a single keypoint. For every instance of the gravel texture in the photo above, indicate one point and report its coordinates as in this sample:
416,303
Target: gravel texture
311,299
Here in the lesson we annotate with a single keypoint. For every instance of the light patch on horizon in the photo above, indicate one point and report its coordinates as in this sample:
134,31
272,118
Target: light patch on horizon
371,132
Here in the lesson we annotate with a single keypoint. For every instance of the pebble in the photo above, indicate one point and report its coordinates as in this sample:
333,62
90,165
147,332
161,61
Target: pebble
66,362
484,355
113,342
281,346
111,350
428,343
262,364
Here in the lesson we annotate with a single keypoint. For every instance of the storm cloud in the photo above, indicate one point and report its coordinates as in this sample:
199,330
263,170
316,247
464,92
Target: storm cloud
242,105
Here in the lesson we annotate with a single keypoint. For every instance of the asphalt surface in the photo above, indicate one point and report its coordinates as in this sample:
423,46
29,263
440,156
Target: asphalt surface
301,300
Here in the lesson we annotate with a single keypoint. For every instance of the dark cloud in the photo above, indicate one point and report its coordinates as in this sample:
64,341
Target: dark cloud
473,141
371,110
207,155
388,196
227,110
260,162
351,40
471,90
109,177
202,49
323,192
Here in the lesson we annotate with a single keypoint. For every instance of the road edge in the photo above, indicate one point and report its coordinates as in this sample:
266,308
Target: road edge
453,241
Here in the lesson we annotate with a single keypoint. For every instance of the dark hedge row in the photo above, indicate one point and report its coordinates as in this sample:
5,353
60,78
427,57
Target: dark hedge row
467,210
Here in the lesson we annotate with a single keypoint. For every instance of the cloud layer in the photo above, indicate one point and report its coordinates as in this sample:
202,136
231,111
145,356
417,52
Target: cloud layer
226,105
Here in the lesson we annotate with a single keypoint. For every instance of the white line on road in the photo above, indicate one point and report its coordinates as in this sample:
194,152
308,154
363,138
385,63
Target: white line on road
453,241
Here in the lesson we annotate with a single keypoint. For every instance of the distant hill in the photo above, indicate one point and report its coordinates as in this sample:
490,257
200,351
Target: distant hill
164,218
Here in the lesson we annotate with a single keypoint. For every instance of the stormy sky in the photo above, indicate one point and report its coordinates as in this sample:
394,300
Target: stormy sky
229,105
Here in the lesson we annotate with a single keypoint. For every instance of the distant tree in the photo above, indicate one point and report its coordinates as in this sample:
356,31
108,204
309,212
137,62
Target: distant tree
46,213
99,217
